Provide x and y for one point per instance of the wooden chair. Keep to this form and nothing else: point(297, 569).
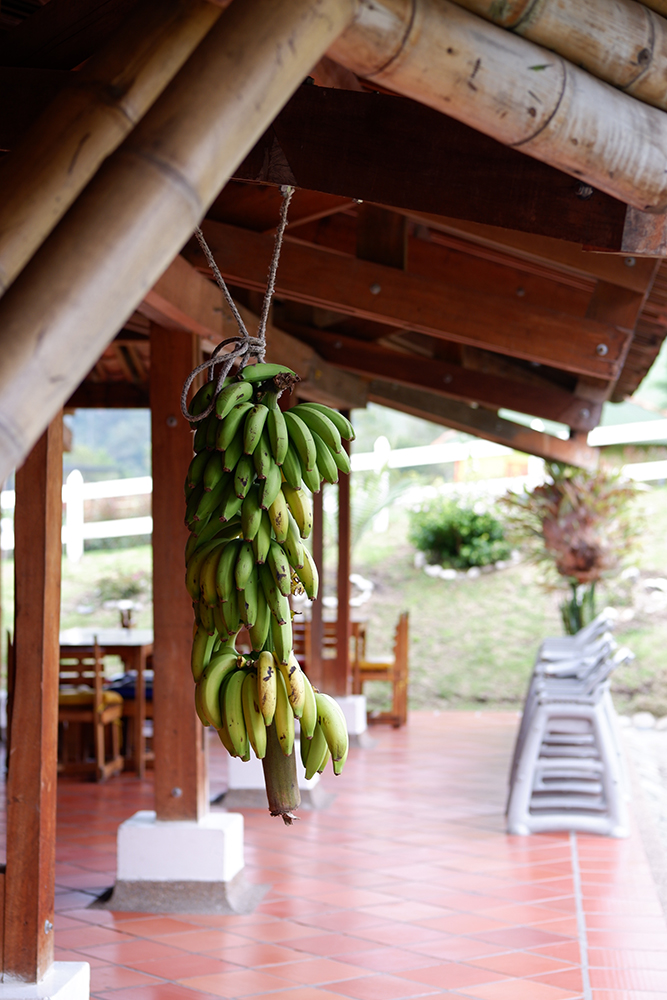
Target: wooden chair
point(138, 750)
point(84, 707)
point(394, 671)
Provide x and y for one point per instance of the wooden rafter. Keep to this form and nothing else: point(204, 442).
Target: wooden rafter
point(407, 301)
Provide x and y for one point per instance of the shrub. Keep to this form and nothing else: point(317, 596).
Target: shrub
point(453, 534)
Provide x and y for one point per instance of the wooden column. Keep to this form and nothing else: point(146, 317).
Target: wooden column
point(181, 786)
point(31, 783)
point(340, 682)
point(316, 630)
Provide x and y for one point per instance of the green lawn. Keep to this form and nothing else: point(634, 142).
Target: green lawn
point(473, 641)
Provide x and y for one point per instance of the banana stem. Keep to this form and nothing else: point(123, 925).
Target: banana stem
point(282, 785)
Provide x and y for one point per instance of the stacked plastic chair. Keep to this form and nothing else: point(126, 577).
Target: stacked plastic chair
point(567, 770)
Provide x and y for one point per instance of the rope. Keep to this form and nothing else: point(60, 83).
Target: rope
point(247, 346)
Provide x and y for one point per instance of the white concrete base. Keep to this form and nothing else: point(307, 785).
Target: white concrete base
point(208, 851)
point(63, 981)
point(354, 710)
point(242, 775)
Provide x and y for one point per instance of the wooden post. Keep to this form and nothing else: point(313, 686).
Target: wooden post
point(316, 629)
point(180, 760)
point(142, 205)
point(339, 683)
point(31, 782)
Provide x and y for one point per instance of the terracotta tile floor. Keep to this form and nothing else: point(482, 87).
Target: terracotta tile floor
point(406, 886)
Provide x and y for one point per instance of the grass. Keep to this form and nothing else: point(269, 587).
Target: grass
point(472, 641)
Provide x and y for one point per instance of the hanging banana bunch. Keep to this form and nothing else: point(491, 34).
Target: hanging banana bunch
point(249, 510)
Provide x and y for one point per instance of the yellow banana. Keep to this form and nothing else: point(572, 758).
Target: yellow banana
point(292, 544)
point(252, 716)
point(294, 682)
point(280, 568)
point(279, 517)
point(301, 508)
point(308, 575)
point(318, 752)
point(284, 717)
point(309, 713)
point(281, 635)
point(266, 686)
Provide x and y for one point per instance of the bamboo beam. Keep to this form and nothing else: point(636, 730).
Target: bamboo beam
point(483, 423)
point(129, 223)
point(407, 301)
point(374, 361)
point(31, 783)
point(513, 90)
point(89, 119)
point(623, 42)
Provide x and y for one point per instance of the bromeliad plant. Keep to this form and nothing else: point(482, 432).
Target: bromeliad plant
point(580, 526)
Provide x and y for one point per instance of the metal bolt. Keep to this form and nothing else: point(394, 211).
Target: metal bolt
point(48, 926)
point(629, 261)
point(474, 406)
point(338, 344)
point(375, 289)
point(602, 350)
point(172, 421)
point(584, 414)
point(358, 201)
point(521, 292)
point(583, 191)
point(447, 379)
point(176, 793)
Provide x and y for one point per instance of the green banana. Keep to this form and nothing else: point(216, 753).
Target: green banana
point(263, 371)
point(266, 686)
point(345, 428)
point(321, 424)
point(204, 615)
point(244, 476)
point(201, 433)
point(300, 434)
point(283, 717)
point(199, 709)
point(291, 468)
point(193, 502)
point(230, 614)
point(294, 682)
point(270, 486)
point(233, 451)
point(213, 472)
point(251, 513)
point(207, 574)
point(277, 428)
point(277, 602)
point(232, 713)
point(248, 599)
point(262, 457)
point(325, 461)
point(317, 753)
point(308, 575)
point(210, 500)
point(330, 717)
point(253, 427)
point(313, 479)
point(292, 544)
point(262, 539)
point(223, 732)
point(230, 504)
point(211, 530)
point(194, 565)
point(301, 507)
point(252, 716)
point(245, 564)
point(201, 399)
point(260, 630)
point(225, 583)
point(210, 683)
point(202, 645)
point(281, 636)
point(232, 395)
point(280, 568)
point(228, 428)
point(211, 432)
point(279, 517)
point(196, 470)
point(309, 713)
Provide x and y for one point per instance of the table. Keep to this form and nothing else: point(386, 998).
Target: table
point(133, 645)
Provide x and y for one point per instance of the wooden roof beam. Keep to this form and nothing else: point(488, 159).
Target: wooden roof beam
point(482, 423)
point(386, 295)
point(372, 361)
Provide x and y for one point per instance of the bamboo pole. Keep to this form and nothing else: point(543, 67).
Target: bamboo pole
point(513, 90)
point(89, 119)
point(621, 42)
point(142, 205)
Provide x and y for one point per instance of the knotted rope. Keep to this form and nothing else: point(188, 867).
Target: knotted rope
point(247, 347)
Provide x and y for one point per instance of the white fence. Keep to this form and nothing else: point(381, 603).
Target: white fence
point(76, 530)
